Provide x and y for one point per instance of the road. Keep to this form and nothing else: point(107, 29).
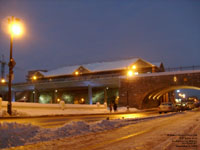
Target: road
point(57, 121)
point(175, 131)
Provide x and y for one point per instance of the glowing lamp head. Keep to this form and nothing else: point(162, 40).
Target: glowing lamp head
point(76, 73)
point(134, 67)
point(15, 28)
point(82, 99)
point(58, 100)
point(130, 73)
point(3, 80)
point(34, 77)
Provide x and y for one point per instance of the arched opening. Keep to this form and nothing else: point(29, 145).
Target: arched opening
point(157, 95)
point(154, 98)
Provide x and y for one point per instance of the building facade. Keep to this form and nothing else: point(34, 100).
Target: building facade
point(79, 84)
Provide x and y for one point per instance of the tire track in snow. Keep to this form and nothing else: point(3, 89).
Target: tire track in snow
point(108, 142)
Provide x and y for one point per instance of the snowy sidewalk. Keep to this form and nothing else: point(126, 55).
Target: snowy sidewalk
point(44, 113)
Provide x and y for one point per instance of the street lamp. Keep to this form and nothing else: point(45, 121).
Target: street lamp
point(14, 29)
point(76, 73)
point(130, 73)
point(34, 78)
point(3, 80)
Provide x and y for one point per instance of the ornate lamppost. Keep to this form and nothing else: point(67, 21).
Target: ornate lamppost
point(15, 29)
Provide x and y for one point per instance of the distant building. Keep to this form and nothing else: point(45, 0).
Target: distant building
point(102, 68)
point(85, 83)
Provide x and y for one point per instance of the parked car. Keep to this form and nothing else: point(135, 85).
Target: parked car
point(180, 107)
point(191, 105)
point(166, 107)
point(184, 106)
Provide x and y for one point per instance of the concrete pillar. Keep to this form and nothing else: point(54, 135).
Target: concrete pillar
point(35, 96)
point(55, 96)
point(164, 98)
point(32, 96)
point(173, 96)
point(167, 97)
point(0, 104)
point(90, 94)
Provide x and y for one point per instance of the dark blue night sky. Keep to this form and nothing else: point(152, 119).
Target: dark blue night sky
point(66, 32)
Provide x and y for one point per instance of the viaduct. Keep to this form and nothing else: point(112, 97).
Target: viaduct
point(139, 91)
point(148, 90)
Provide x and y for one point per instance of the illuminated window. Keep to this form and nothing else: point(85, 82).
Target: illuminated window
point(175, 79)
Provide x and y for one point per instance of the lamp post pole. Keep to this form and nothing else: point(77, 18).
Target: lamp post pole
point(9, 109)
point(15, 29)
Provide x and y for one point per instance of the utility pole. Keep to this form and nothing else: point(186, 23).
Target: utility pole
point(3, 63)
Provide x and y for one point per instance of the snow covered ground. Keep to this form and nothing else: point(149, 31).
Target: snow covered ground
point(170, 131)
point(37, 109)
point(44, 112)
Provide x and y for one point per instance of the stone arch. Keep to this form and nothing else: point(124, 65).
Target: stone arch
point(162, 92)
point(146, 87)
point(155, 96)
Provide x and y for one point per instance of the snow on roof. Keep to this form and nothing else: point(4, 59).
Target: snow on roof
point(112, 65)
point(61, 71)
point(94, 67)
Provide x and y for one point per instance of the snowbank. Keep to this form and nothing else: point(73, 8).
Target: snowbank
point(124, 109)
point(14, 134)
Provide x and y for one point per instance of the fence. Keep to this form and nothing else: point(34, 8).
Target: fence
point(182, 68)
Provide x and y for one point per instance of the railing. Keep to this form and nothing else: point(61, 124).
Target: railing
point(74, 78)
point(182, 68)
point(80, 78)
